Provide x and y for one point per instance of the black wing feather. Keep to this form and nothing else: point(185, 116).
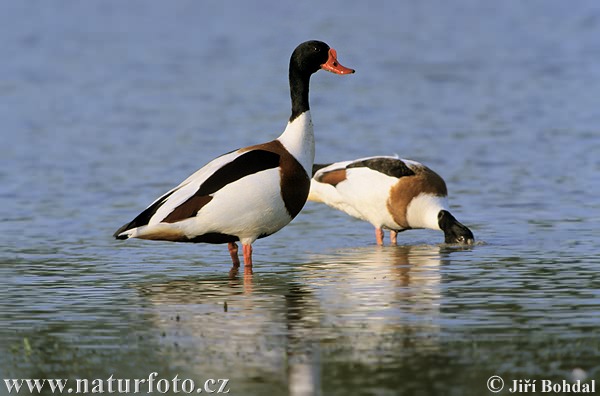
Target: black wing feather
point(389, 166)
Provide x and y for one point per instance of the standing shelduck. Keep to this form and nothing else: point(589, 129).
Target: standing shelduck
point(249, 193)
point(388, 192)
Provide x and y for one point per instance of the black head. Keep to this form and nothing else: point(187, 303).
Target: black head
point(313, 55)
point(454, 231)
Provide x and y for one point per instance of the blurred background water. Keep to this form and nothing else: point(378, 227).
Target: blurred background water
point(106, 105)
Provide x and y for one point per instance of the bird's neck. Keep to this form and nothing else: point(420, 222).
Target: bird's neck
point(299, 85)
point(299, 139)
point(422, 212)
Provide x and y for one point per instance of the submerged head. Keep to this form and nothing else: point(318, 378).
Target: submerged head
point(313, 55)
point(454, 231)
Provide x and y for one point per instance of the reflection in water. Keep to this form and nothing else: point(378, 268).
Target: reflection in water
point(362, 305)
point(382, 298)
point(245, 329)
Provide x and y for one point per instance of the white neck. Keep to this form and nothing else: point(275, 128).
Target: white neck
point(299, 139)
point(423, 210)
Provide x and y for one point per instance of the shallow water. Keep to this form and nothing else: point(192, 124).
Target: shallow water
point(109, 104)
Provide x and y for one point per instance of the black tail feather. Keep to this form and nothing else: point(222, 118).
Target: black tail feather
point(125, 227)
point(143, 218)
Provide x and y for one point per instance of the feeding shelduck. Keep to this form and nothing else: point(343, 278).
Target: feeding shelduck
point(388, 192)
point(248, 193)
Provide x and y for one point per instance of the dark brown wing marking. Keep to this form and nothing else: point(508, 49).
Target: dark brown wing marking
point(188, 209)
point(332, 177)
point(317, 167)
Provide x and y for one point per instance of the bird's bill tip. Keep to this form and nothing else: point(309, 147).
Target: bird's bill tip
point(332, 64)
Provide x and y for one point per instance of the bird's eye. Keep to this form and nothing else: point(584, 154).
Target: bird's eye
point(317, 49)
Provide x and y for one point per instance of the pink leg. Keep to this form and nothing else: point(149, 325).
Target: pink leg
point(393, 237)
point(247, 258)
point(379, 236)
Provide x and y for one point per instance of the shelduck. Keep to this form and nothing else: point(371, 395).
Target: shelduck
point(251, 192)
point(390, 193)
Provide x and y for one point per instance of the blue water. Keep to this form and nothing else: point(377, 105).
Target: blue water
point(106, 105)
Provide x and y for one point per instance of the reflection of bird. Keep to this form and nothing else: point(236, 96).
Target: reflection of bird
point(413, 269)
point(221, 326)
point(390, 193)
point(249, 193)
point(381, 298)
